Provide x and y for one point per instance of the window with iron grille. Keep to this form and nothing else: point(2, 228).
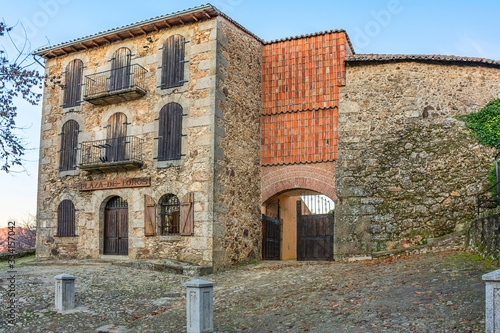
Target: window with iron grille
point(170, 132)
point(73, 81)
point(66, 219)
point(169, 215)
point(172, 65)
point(69, 146)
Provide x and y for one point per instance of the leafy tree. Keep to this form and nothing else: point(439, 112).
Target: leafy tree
point(16, 81)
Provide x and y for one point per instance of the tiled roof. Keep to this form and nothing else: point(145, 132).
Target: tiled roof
point(136, 29)
point(313, 35)
point(383, 58)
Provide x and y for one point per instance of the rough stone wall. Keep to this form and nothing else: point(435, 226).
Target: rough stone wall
point(484, 237)
point(402, 177)
point(192, 173)
point(237, 222)
point(318, 177)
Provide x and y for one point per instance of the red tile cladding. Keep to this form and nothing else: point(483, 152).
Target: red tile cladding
point(300, 81)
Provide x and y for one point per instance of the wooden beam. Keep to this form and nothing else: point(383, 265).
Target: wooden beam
point(143, 30)
point(208, 15)
point(182, 22)
point(63, 51)
point(73, 49)
point(195, 18)
point(107, 40)
point(84, 46)
point(118, 36)
point(155, 27)
point(130, 33)
point(93, 42)
point(168, 25)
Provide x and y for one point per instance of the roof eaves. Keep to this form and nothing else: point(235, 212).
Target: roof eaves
point(48, 49)
point(435, 58)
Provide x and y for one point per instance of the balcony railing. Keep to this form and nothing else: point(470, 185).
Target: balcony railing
point(111, 154)
point(116, 85)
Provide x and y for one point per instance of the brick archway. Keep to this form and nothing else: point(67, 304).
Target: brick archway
point(319, 177)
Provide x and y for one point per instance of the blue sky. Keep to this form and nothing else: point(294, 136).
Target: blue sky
point(450, 27)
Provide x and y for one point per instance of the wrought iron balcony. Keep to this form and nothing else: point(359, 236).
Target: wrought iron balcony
point(111, 154)
point(116, 85)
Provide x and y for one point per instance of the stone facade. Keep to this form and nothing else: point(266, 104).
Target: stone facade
point(407, 171)
point(216, 114)
point(483, 236)
point(375, 133)
point(237, 225)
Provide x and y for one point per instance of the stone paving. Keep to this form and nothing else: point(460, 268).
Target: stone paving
point(427, 293)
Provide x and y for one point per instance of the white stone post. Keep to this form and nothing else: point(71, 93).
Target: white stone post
point(199, 306)
point(65, 292)
point(492, 280)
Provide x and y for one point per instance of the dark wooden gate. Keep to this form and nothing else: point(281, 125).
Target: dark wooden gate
point(271, 242)
point(116, 227)
point(314, 236)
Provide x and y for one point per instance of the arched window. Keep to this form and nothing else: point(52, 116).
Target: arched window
point(116, 141)
point(169, 214)
point(66, 219)
point(120, 69)
point(170, 132)
point(172, 64)
point(69, 145)
point(73, 81)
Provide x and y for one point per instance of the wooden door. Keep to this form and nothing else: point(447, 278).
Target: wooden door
point(271, 240)
point(120, 69)
point(116, 138)
point(115, 229)
point(314, 236)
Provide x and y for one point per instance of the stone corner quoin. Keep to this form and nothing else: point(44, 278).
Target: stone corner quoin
point(170, 139)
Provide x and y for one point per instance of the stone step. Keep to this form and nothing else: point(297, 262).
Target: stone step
point(167, 266)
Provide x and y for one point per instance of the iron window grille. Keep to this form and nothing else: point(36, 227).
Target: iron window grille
point(169, 215)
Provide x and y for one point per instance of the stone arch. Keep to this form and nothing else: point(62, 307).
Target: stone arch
point(104, 198)
point(319, 177)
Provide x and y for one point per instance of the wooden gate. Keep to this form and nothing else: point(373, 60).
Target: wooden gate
point(271, 239)
point(116, 227)
point(314, 236)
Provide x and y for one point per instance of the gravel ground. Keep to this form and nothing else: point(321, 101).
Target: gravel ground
point(428, 293)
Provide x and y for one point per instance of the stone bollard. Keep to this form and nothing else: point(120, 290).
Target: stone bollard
point(65, 292)
point(492, 280)
point(199, 306)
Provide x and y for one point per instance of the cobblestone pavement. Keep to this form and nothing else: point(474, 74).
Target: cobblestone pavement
point(428, 293)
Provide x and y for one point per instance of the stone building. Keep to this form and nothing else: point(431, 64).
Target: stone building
point(171, 136)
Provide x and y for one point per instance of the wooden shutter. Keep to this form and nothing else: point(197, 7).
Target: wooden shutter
point(69, 145)
point(172, 65)
point(73, 80)
point(120, 69)
point(116, 133)
point(170, 131)
point(187, 214)
point(149, 216)
point(66, 219)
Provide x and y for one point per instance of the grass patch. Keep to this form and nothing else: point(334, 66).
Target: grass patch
point(18, 261)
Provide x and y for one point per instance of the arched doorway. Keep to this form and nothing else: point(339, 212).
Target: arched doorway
point(297, 224)
point(116, 227)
